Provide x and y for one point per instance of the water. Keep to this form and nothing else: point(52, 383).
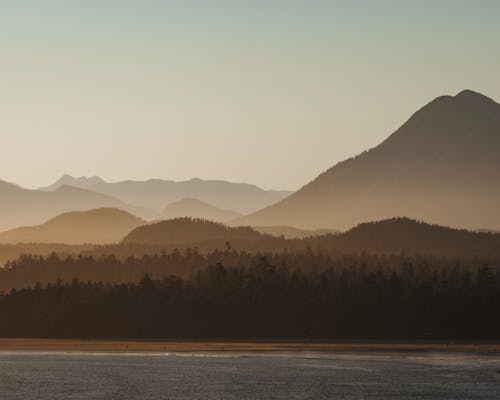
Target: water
point(319, 375)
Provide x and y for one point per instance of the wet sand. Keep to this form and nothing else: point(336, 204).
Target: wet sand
point(238, 346)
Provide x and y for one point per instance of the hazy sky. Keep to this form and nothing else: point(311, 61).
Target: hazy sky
point(269, 92)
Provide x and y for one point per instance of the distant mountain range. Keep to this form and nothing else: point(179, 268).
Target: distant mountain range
point(197, 209)
point(155, 194)
point(98, 226)
point(147, 200)
point(442, 166)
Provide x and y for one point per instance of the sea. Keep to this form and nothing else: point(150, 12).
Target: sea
point(282, 375)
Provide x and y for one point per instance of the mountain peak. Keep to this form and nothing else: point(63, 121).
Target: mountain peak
point(450, 116)
point(471, 96)
point(81, 182)
point(66, 178)
point(469, 93)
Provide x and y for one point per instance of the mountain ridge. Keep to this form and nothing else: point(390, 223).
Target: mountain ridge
point(154, 193)
point(82, 182)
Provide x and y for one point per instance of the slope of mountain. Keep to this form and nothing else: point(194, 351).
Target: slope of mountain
point(195, 208)
point(441, 166)
point(23, 207)
point(67, 180)
point(181, 231)
point(97, 226)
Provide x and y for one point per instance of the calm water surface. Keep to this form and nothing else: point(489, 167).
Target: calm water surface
point(55, 375)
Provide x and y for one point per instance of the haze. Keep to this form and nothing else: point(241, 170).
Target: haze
point(267, 92)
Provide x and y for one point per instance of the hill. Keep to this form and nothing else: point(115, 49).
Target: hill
point(403, 235)
point(188, 231)
point(195, 208)
point(392, 236)
point(441, 166)
point(24, 207)
point(98, 226)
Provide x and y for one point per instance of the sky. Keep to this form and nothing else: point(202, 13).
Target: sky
point(269, 92)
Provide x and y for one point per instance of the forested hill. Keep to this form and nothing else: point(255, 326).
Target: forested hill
point(390, 236)
point(404, 235)
point(189, 231)
point(394, 236)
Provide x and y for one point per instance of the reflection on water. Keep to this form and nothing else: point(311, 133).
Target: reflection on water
point(310, 375)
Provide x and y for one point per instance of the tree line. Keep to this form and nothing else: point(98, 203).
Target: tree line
point(29, 269)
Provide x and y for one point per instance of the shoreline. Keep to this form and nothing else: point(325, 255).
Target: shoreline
point(194, 346)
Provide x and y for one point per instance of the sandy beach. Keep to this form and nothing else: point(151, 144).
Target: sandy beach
point(233, 346)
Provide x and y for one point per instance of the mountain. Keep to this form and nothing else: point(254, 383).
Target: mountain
point(182, 231)
point(67, 180)
point(197, 209)
point(441, 166)
point(98, 226)
point(155, 193)
point(24, 207)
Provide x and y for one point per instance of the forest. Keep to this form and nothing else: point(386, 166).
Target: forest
point(229, 294)
point(188, 278)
